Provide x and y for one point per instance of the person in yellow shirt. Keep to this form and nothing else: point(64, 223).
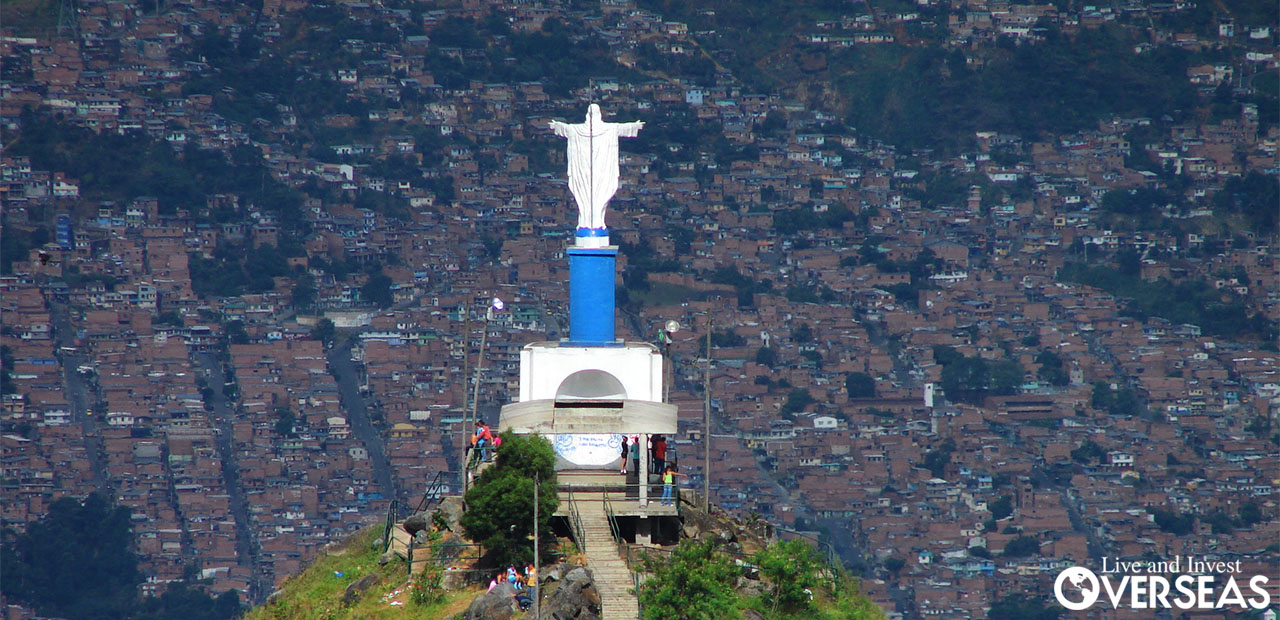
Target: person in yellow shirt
point(668, 482)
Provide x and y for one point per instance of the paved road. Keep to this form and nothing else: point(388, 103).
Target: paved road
point(78, 392)
point(223, 418)
point(344, 372)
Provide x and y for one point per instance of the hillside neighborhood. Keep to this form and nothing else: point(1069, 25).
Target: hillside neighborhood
point(920, 353)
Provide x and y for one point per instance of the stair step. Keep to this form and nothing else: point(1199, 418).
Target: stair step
point(612, 577)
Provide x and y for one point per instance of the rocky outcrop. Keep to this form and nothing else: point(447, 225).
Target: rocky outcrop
point(730, 534)
point(357, 588)
point(448, 514)
point(496, 604)
point(574, 597)
point(567, 594)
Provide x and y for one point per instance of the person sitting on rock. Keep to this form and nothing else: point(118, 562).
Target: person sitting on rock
point(523, 600)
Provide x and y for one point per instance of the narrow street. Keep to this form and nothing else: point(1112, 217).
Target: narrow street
point(345, 373)
point(79, 392)
point(223, 418)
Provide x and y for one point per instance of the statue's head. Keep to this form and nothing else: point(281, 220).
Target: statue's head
point(593, 113)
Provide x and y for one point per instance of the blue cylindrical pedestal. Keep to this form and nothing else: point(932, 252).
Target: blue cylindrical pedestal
point(591, 277)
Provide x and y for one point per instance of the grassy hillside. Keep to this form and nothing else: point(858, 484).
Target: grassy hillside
point(317, 593)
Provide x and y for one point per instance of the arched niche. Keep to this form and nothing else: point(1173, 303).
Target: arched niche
point(591, 385)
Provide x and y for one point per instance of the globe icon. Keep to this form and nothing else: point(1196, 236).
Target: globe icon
point(1082, 592)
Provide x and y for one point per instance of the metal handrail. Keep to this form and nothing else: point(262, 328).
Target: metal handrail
point(622, 491)
point(439, 555)
point(575, 523)
point(392, 517)
point(434, 492)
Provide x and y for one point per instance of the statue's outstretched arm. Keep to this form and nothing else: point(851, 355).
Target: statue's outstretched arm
point(559, 128)
point(630, 130)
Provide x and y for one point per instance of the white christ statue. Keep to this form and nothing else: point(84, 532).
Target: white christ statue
point(593, 169)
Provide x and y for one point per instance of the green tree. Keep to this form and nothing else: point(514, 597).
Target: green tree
point(285, 421)
point(860, 385)
point(1250, 514)
point(791, 566)
point(169, 318)
point(1002, 507)
point(304, 291)
point(1020, 547)
point(1020, 607)
point(1177, 523)
point(324, 331)
point(797, 400)
point(727, 339)
point(235, 332)
point(936, 460)
point(378, 291)
point(500, 505)
point(1255, 196)
point(945, 355)
point(766, 357)
point(894, 565)
point(182, 602)
point(966, 379)
point(1006, 377)
point(1051, 369)
point(7, 385)
point(96, 578)
point(692, 583)
point(1088, 451)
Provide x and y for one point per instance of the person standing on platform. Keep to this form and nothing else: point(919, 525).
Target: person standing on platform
point(625, 454)
point(659, 454)
point(668, 485)
point(635, 453)
point(484, 439)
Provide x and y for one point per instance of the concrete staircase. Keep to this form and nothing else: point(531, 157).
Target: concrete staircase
point(611, 576)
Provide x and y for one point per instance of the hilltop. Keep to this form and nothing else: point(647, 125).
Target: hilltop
point(350, 580)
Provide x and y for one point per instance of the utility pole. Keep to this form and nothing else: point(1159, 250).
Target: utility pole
point(475, 393)
point(496, 304)
point(466, 370)
point(466, 353)
point(706, 422)
point(537, 591)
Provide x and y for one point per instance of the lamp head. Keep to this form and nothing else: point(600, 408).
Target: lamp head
point(672, 326)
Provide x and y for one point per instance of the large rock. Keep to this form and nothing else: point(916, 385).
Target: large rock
point(699, 525)
point(454, 579)
point(417, 522)
point(556, 573)
point(450, 510)
point(749, 587)
point(357, 588)
point(496, 604)
point(575, 597)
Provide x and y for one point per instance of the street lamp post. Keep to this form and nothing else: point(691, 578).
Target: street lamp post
point(706, 423)
point(537, 589)
point(495, 305)
point(667, 334)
